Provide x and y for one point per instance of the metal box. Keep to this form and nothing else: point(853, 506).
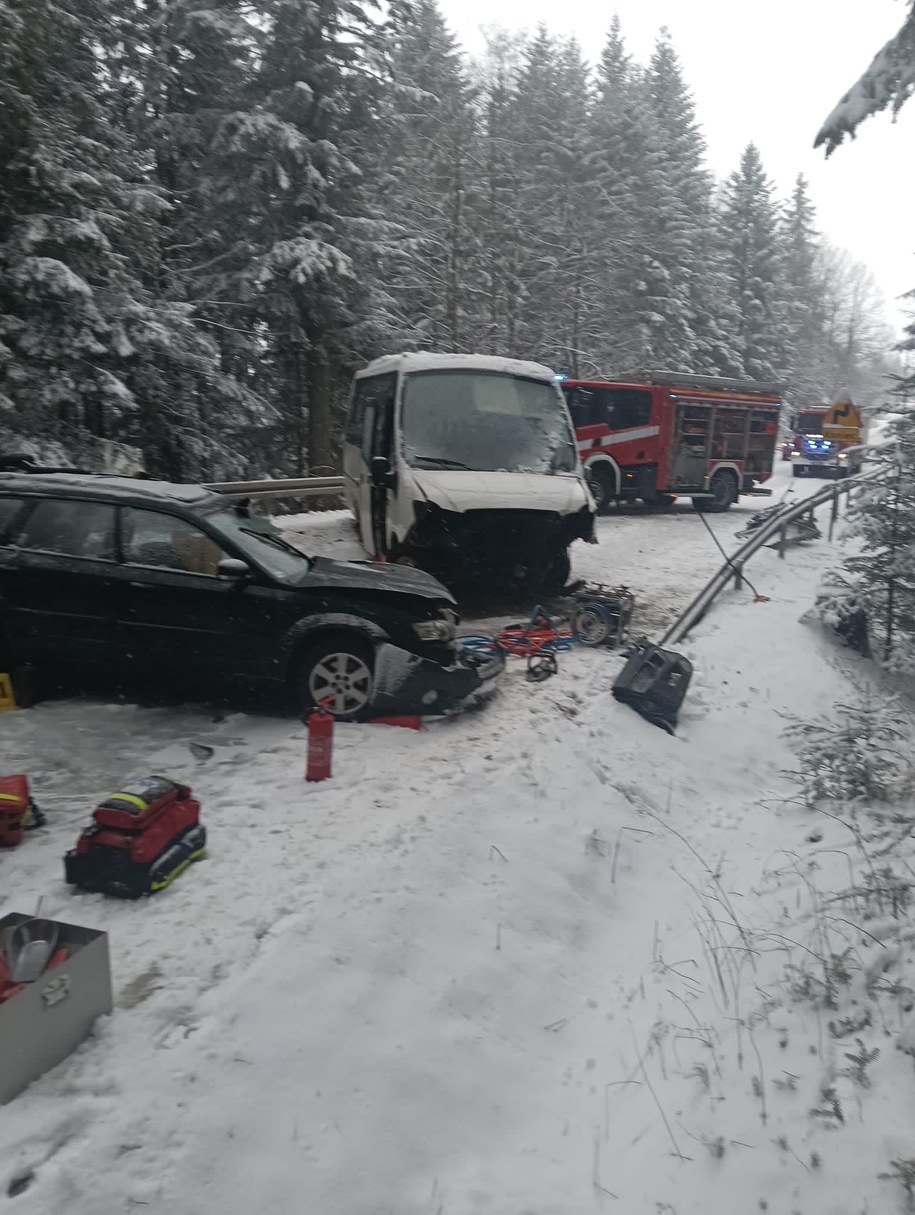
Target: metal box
point(41, 1025)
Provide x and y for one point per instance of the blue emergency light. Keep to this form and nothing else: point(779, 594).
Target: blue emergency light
point(817, 444)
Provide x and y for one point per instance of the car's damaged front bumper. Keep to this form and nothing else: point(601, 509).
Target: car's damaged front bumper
point(405, 683)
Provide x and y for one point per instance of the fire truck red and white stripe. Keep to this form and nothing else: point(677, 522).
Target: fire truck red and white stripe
point(621, 436)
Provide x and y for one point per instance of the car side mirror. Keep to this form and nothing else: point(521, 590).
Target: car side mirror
point(233, 570)
point(382, 473)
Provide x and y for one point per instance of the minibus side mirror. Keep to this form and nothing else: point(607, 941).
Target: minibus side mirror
point(382, 473)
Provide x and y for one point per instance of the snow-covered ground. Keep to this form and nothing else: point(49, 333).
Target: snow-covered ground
point(526, 962)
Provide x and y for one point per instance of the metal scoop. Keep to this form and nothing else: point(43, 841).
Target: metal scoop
point(30, 946)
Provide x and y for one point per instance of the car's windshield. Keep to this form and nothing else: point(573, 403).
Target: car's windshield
point(485, 421)
point(262, 541)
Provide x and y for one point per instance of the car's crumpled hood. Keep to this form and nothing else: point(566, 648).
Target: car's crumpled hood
point(373, 576)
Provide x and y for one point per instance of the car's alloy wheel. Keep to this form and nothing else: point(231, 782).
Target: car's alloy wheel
point(338, 675)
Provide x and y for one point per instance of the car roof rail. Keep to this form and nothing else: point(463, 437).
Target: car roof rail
point(28, 464)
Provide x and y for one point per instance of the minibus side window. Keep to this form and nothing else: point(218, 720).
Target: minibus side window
point(372, 395)
point(372, 407)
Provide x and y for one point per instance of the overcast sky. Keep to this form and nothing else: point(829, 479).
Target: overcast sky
point(770, 73)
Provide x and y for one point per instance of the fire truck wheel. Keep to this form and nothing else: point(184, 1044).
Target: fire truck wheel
point(337, 669)
point(723, 487)
point(602, 485)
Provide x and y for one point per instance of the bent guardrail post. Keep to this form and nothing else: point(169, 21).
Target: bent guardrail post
point(834, 510)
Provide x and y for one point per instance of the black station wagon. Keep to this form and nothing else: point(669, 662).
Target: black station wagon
point(137, 579)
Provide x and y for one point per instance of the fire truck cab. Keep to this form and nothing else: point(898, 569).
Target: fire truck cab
point(657, 435)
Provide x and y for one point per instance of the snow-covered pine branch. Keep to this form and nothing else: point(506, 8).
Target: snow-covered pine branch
point(889, 81)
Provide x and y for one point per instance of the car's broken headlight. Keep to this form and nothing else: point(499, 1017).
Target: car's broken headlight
point(434, 630)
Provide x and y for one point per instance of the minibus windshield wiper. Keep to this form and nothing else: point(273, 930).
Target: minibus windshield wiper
point(440, 462)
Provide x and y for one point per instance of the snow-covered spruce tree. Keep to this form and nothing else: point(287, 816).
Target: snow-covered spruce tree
point(715, 319)
point(699, 283)
point(618, 123)
point(905, 386)
point(422, 175)
point(809, 371)
point(856, 756)
point(666, 295)
point(748, 222)
point(89, 347)
point(658, 274)
point(295, 200)
point(560, 238)
point(590, 253)
point(882, 517)
point(182, 68)
point(66, 294)
point(493, 270)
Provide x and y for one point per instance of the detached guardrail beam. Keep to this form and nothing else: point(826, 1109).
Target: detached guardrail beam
point(733, 566)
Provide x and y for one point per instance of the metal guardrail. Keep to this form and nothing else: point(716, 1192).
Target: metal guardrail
point(294, 487)
point(732, 570)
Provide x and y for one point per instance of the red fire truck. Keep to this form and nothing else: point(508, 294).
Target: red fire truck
point(658, 434)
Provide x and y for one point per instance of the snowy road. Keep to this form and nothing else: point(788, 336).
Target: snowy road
point(464, 975)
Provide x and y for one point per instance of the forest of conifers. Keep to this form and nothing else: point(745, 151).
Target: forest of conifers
point(213, 211)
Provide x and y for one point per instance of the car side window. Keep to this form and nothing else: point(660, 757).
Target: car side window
point(9, 509)
point(71, 528)
point(161, 541)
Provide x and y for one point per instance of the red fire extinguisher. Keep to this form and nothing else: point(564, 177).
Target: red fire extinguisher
point(320, 743)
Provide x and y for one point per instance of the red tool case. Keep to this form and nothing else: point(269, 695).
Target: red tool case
point(15, 803)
